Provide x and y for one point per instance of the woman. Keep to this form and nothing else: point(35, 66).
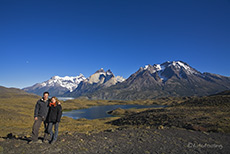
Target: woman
point(53, 118)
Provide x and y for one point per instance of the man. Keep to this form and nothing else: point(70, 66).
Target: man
point(40, 113)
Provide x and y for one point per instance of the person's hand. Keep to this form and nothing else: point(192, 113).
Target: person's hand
point(36, 118)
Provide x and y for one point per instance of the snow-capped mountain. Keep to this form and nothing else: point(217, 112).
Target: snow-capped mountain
point(178, 65)
point(175, 78)
point(166, 70)
point(68, 82)
point(56, 85)
point(100, 79)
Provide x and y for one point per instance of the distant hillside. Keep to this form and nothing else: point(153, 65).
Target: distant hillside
point(13, 92)
point(226, 92)
point(213, 100)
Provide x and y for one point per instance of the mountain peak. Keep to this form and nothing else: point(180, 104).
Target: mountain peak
point(177, 65)
point(180, 64)
point(100, 71)
point(100, 76)
point(168, 69)
point(55, 77)
point(109, 72)
point(81, 75)
point(147, 66)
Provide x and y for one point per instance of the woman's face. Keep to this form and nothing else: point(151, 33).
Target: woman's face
point(53, 100)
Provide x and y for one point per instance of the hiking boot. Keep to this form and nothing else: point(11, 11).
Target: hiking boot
point(38, 141)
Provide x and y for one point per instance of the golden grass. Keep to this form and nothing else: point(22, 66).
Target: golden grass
point(16, 113)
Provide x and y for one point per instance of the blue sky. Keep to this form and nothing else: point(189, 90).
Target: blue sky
point(40, 39)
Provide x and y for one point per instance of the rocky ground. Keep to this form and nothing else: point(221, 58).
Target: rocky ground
point(125, 140)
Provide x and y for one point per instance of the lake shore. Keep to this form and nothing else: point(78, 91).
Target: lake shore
point(76, 104)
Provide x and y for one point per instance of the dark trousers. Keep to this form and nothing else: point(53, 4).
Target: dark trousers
point(55, 134)
point(36, 127)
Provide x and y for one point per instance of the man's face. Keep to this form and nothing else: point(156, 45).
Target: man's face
point(45, 96)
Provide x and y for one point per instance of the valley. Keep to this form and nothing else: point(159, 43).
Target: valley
point(184, 124)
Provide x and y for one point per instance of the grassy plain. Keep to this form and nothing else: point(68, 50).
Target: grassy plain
point(206, 113)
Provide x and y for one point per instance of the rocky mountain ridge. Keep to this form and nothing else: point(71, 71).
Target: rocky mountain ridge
point(175, 78)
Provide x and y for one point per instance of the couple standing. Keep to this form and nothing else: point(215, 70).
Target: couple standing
point(48, 111)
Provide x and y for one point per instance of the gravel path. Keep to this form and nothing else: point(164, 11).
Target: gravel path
point(127, 141)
